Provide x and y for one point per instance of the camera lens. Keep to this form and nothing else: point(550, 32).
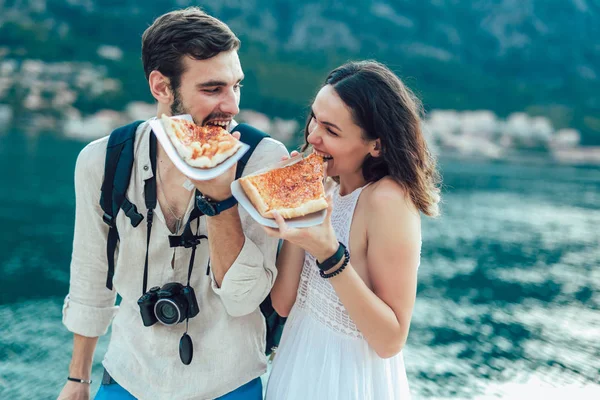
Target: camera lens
point(167, 312)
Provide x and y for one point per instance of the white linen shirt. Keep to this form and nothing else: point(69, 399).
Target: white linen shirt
point(228, 334)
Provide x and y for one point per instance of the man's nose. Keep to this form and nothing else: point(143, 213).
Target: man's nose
point(230, 103)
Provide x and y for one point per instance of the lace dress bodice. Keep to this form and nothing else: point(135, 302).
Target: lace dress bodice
point(315, 294)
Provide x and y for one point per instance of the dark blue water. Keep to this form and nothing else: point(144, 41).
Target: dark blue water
point(508, 301)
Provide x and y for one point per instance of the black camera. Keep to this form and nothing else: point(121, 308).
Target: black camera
point(169, 305)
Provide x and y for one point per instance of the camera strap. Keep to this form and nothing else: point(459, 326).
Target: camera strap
point(150, 199)
point(186, 239)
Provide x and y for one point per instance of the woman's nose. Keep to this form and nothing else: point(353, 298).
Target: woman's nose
point(313, 135)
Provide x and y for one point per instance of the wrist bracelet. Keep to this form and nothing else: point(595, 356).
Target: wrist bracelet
point(332, 261)
point(340, 269)
point(88, 381)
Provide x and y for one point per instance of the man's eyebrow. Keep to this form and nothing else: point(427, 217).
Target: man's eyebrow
point(214, 83)
point(325, 122)
point(211, 84)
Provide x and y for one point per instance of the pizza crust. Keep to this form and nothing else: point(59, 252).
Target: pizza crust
point(252, 192)
point(309, 207)
point(186, 152)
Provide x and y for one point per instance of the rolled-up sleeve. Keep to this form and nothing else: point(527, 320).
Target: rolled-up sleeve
point(251, 276)
point(89, 307)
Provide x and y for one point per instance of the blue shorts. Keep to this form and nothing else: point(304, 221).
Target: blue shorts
point(250, 391)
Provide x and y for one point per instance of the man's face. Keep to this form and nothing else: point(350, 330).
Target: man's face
point(210, 89)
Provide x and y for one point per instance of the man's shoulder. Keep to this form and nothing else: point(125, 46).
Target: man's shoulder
point(92, 157)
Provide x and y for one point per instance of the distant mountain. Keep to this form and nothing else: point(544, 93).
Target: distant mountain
point(541, 56)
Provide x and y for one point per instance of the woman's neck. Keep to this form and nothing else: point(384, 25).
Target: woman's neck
point(349, 183)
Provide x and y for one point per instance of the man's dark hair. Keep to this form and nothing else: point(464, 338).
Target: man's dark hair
point(188, 32)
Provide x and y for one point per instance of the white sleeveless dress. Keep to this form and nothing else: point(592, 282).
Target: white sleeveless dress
point(322, 354)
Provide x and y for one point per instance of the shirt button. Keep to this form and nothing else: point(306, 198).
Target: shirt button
point(145, 168)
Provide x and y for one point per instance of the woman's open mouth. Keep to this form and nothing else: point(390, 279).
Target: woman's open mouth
point(326, 157)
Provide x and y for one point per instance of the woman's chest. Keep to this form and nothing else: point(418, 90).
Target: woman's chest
point(351, 229)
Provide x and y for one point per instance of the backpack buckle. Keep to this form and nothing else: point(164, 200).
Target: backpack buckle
point(108, 220)
point(185, 240)
point(132, 213)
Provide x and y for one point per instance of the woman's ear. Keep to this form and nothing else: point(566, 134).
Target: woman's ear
point(376, 148)
point(160, 87)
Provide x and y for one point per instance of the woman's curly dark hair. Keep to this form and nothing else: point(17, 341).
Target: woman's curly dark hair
point(385, 109)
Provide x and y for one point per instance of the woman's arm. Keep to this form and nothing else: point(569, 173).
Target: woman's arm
point(393, 250)
point(289, 267)
point(394, 241)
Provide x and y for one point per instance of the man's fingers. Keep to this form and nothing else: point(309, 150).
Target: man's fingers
point(236, 135)
point(294, 153)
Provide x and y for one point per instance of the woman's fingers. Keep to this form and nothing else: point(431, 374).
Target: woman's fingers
point(272, 232)
point(329, 208)
point(292, 155)
point(283, 228)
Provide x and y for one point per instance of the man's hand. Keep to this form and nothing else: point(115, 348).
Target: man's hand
point(219, 188)
point(75, 391)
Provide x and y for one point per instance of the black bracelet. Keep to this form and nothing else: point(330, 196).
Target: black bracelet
point(332, 261)
point(340, 269)
point(88, 381)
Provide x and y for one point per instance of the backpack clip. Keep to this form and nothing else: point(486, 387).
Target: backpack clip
point(108, 220)
point(132, 213)
point(184, 240)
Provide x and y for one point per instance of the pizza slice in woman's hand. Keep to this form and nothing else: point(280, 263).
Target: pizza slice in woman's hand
point(292, 191)
point(200, 146)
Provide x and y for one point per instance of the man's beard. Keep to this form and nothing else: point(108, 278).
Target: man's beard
point(177, 108)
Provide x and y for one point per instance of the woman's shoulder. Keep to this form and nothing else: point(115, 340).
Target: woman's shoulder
point(391, 212)
point(386, 193)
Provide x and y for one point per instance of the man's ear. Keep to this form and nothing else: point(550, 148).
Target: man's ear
point(160, 87)
point(376, 149)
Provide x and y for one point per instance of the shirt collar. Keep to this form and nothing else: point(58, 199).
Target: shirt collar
point(144, 166)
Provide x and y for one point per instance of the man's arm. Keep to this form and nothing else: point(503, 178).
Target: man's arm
point(90, 306)
point(242, 255)
point(226, 240)
point(83, 355)
point(81, 368)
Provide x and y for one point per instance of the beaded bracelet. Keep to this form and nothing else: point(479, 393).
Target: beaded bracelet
point(340, 269)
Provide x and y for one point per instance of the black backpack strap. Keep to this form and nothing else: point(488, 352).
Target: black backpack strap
point(117, 172)
point(252, 137)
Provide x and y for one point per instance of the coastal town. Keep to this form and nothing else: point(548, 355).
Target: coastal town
point(38, 98)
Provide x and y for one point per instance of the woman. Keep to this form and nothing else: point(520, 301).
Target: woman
point(349, 284)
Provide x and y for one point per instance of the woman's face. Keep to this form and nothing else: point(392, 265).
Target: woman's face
point(333, 134)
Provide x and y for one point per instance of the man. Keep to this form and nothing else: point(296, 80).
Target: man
point(192, 66)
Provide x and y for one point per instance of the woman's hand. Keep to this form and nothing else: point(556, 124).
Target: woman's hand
point(320, 240)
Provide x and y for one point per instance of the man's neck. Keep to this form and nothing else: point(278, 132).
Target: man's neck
point(169, 173)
